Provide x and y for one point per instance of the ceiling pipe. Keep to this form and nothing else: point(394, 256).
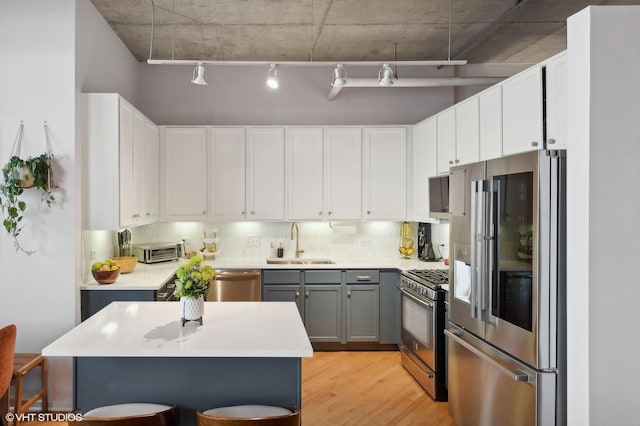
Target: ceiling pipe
point(417, 82)
point(306, 63)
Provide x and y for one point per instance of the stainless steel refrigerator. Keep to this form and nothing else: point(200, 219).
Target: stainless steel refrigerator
point(506, 331)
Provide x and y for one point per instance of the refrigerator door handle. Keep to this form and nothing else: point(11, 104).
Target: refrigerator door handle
point(492, 243)
point(517, 375)
point(476, 240)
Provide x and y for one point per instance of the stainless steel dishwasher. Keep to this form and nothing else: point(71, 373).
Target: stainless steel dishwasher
point(235, 285)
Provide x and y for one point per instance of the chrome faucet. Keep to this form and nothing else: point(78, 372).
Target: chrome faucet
point(299, 251)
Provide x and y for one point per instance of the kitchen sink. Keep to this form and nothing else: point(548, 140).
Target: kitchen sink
point(280, 261)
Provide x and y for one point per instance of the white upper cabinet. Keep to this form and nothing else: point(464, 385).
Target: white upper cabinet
point(467, 131)
point(227, 173)
point(384, 166)
point(151, 172)
point(556, 101)
point(424, 166)
point(491, 123)
point(343, 173)
point(116, 163)
point(185, 173)
point(522, 112)
point(305, 174)
point(446, 140)
point(265, 187)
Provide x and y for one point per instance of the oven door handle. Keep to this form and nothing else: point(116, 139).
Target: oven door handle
point(420, 301)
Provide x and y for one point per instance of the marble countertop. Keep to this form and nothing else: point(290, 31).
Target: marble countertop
point(154, 276)
point(153, 329)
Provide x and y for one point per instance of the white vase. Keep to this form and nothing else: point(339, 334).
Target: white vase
point(191, 309)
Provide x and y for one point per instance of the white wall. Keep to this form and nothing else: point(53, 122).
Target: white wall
point(37, 84)
point(239, 96)
point(603, 203)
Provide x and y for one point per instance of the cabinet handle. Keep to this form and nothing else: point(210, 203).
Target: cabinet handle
point(368, 211)
point(363, 278)
point(457, 161)
point(297, 294)
point(534, 143)
point(243, 212)
point(450, 162)
point(204, 212)
point(551, 141)
point(306, 293)
point(349, 293)
point(320, 213)
point(253, 212)
point(329, 213)
point(148, 214)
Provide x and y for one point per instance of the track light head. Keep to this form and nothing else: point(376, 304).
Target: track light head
point(339, 76)
point(199, 74)
point(385, 75)
point(272, 77)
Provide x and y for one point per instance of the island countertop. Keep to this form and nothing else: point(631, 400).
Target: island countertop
point(153, 329)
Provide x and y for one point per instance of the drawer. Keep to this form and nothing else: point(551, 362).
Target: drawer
point(322, 277)
point(363, 276)
point(280, 277)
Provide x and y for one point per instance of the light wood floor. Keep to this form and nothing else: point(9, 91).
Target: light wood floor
point(360, 388)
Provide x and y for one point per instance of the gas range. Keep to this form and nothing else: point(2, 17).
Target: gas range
point(432, 278)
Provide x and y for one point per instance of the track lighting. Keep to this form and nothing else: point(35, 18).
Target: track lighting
point(199, 74)
point(385, 76)
point(339, 76)
point(272, 77)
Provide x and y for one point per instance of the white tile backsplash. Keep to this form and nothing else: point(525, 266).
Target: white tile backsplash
point(379, 239)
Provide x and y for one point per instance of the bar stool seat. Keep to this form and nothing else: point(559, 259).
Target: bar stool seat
point(23, 363)
point(239, 415)
point(131, 414)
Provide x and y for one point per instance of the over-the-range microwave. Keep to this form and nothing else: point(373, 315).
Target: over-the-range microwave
point(439, 197)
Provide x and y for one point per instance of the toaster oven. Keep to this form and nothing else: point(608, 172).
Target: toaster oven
point(157, 252)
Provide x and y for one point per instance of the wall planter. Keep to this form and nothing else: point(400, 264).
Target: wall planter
point(17, 175)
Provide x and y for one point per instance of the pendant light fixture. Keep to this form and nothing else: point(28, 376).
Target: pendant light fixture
point(199, 74)
point(385, 75)
point(339, 76)
point(272, 77)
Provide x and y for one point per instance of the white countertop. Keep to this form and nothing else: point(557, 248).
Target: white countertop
point(153, 276)
point(153, 329)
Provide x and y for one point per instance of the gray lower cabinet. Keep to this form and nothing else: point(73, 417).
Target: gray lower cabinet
point(363, 313)
point(91, 301)
point(341, 306)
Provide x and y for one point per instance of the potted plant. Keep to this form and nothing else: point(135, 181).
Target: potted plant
point(17, 175)
point(192, 285)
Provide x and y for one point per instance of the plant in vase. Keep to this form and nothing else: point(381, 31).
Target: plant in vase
point(192, 285)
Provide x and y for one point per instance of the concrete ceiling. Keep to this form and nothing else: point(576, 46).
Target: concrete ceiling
point(482, 31)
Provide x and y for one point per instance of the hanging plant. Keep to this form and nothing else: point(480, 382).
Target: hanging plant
point(17, 175)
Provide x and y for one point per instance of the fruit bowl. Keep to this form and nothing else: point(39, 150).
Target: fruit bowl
point(106, 277)
point(126, 263)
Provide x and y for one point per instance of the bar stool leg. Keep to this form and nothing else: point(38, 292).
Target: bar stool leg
point(45, 386)
point(17, 401)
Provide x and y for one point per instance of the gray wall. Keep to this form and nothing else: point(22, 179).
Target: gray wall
point(239, 96)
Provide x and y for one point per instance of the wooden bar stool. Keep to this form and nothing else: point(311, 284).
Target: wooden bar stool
point(249, 415)
point(22, 365)
point(133, 414)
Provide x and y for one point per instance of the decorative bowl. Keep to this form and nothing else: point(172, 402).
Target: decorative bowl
point(106, 277)
point(126, 263)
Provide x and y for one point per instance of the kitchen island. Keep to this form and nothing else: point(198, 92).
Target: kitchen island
point(244, 353)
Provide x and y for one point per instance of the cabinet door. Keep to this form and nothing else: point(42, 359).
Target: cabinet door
point(139, 196)
point(363, 313)
point(390, 320)
point(467, 132)
point(424, 165)
point(522, 112)
point(151, 171)
point(556, 102)
point(265, 174)
point(491, 123)
point(385, 174)
point(126, 164)
point(185, 173)
point(323, 312)
point(305, 174)
point(283, 293)
point(343, 173)
point(227, 173)
point(446, 140)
